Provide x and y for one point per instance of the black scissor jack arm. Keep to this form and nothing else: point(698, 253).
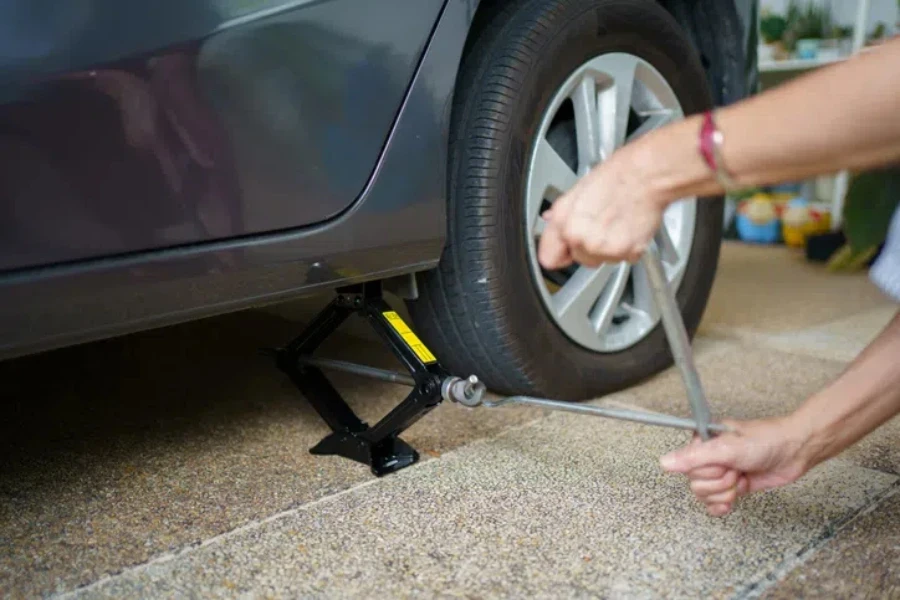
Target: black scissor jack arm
point(378, 445)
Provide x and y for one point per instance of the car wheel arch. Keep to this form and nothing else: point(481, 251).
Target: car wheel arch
point(723, 56)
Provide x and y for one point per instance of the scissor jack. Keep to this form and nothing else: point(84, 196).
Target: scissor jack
point(380, 446)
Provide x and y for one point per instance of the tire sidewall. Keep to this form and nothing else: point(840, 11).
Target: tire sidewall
point(574, 38)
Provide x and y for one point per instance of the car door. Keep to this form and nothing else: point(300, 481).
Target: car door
point(132, 126)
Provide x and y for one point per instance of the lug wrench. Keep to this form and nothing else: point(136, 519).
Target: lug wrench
point(470, 392)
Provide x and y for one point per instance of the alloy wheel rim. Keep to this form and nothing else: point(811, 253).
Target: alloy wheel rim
point(608, 101)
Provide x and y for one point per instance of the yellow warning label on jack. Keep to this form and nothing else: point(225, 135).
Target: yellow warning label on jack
point(412, 340)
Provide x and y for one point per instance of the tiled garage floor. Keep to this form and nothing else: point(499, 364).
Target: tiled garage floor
point(174, 463)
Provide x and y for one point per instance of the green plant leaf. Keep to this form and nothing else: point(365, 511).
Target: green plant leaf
point(772, 28)
point(871, 200)
point(807, 20)
point(846, 259)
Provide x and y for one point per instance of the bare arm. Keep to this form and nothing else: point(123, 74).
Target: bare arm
point(863, 398)
point(841, 117)
point(844, 116)
point(774, 452)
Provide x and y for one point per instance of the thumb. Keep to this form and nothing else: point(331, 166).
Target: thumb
point(553, 252)
point(718, 451)
point(560, 209)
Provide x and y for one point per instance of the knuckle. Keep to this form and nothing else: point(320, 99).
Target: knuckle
point(571, 233)
point(595, 244)
point(730, 478)
point(725, 497)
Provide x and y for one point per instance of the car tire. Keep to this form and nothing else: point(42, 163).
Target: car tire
point(480, 310)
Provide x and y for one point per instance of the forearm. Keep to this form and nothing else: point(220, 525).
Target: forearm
point(840, 117)
point(864, 397)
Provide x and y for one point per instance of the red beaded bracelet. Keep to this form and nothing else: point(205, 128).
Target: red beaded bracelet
point(711, 140)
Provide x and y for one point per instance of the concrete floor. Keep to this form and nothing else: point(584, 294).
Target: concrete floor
point(174, 463)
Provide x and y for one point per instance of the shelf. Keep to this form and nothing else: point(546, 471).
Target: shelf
point(796, 64)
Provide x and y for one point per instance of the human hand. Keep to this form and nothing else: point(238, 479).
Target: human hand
point(757, 455)
point(610, 215)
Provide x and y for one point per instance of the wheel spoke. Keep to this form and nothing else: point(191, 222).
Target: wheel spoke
point(587, 123)
point(615, 103)
point(667, 251)
point(643, 319)
point(538, 227)
point(551, 176)
point(643, 305)
point(574, 300)
point(653, 121)
point(605, 308)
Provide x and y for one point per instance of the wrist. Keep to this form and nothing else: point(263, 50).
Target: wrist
point(814, 441)
point(670, 164)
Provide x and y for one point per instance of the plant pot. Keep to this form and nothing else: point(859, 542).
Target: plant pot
point(755, 233)
point(808, 48)
point(780, 51)
point(765, 53)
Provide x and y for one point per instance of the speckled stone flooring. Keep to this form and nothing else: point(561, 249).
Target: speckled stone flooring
point(174, 463)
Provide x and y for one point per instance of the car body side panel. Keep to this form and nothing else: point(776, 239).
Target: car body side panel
point(266, 123)
point(397, 226)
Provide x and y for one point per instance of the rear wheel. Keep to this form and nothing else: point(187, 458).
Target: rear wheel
point(547, 90)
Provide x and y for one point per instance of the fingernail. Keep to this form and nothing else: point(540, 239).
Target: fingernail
point(668, 462)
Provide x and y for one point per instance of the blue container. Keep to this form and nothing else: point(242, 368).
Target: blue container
point(808, 49)
point(748, 231)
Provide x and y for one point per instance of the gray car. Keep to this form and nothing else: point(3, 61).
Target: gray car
point(165, 161)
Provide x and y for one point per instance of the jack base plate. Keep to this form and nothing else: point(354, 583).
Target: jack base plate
point(385, 457)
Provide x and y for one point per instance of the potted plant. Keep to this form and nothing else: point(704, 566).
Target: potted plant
point(844, 36)
point(872, 197)
point(771, 31)
point(830, 48)
point(879, 33)
point(808, 24)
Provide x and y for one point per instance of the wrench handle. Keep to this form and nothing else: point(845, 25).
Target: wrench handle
point(680, 344)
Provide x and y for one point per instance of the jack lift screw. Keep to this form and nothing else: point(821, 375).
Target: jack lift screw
point(468, 392)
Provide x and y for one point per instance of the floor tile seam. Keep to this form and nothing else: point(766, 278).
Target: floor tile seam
point(254, 524)
point(771, 578)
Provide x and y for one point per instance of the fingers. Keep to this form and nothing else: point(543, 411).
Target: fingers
point(553, 252)
point(578, 230)
point(713, 472)
point(592, 241)
point(709, 467)
point(724, 490)
point(719, 510)
point(728, 496)
point(708, 472)
point(553, 249)
point(705, 488)
point(719, 451)
point(741, 462)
